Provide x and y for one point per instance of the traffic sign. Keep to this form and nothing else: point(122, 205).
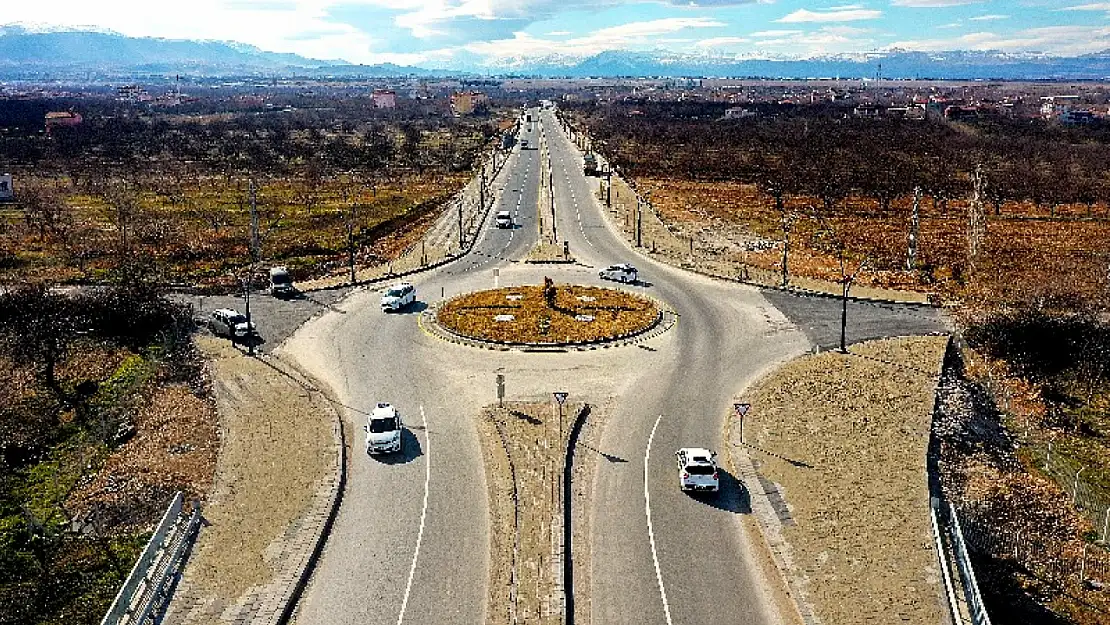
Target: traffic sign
point(561, 397)
point(742, 409)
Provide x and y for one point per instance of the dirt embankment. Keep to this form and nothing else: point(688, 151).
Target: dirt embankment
point(844, 437)
point(276, 450)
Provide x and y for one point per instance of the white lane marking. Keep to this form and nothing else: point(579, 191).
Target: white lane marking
point(651, 532)
point(423, 513)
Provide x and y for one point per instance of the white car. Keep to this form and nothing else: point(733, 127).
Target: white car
point(383, 430)
point(230, 323)
point(620, 273)
point(503, 219)
point(398, 296)
point(697, 469)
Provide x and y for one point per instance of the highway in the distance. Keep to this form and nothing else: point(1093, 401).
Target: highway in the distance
point(411, 542)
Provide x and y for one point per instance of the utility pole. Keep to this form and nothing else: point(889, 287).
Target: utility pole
point(255, 245)
point(608, 186)
point(482, 191)
point(639, 223)
point(459, 204)
point(351, 241)
point(915, 225)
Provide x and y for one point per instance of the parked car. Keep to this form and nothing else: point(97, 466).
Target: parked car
point(230, 323)
point(281, 284)
point(697, 469)
point(621, 273)
point(503, 219)
point(398, 296)
point(383, 429)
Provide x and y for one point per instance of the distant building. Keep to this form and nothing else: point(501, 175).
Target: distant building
point(132, 93)
point(62, 118)
point(1071, 117)
point(739, 113)
point(465, 102)
point(955, 112)
point(385, 99)
point(916, 113)
point(867, 111)
point(1055, 105)
point(7, 193)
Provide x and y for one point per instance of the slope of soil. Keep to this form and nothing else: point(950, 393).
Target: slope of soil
point(844, 436)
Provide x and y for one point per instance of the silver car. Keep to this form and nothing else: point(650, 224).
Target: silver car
point(230, 323)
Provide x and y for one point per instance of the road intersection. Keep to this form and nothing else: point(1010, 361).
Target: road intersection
point(410, 543)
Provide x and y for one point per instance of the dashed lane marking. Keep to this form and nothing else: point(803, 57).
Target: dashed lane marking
point(423, 514)
point(651, 531)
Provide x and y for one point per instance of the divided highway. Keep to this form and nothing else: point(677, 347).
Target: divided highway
point(410, 543)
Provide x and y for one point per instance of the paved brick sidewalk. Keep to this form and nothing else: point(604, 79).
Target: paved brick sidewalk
point(264, 519)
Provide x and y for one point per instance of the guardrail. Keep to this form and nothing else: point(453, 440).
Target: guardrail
point(975, 603)
point(143, 593)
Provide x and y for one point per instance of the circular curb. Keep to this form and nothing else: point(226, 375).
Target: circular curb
point(665, 319)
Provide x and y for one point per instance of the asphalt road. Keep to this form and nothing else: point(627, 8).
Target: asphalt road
point(410, 543)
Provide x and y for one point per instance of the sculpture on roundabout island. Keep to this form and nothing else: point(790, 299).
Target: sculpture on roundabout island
point(549, 292)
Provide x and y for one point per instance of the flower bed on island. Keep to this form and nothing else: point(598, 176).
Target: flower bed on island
point(555, 314)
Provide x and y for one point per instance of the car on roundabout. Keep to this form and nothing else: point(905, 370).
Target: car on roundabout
point(619, 273)
point(697, 470)
point(383, 429)
point(398, 296)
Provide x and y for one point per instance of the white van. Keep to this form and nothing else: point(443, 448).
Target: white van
point(503, 219)
point(281, 284)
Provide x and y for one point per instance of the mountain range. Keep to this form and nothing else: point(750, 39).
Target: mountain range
point(60, 54)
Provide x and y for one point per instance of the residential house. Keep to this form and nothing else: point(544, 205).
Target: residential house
point(385, 99)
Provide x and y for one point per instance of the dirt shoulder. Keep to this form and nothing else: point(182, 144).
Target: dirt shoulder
point(276, 462)
point(839, 442)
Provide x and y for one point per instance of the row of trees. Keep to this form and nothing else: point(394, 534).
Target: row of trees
point(266, 141)
point(832, 157)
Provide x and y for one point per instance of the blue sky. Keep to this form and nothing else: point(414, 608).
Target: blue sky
point(440, 32)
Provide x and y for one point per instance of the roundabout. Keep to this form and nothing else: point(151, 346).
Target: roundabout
point(548, 315)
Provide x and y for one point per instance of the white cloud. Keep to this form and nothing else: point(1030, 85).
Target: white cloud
point(721, 42)
point(988, 18)
point(827, 40)
point(840, 14)
point(1098, 6)
point(775, 33)
point(1058, 40)
point(558, 33)
point(630, 35)
point(300, 26)
point(932, 3)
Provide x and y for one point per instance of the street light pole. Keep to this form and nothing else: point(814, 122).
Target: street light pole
point(255, 245)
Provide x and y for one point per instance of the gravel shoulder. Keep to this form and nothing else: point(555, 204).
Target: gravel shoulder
point(839, 442)
point(277, 455)
point(524, 444)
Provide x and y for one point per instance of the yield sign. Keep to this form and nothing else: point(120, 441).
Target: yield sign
point(561, 397)
point(742, 409)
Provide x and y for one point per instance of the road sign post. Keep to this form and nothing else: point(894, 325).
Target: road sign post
point(561, 398)
point(741, 411)
point(500, 390)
